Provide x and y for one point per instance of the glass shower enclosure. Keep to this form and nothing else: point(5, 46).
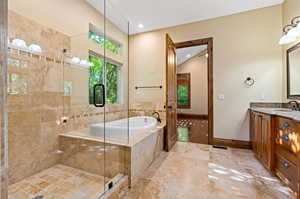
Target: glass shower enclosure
point(64, 84)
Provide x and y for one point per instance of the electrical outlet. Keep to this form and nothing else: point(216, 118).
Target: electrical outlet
point(221, 97)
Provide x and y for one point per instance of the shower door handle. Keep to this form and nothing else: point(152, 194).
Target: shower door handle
point(168, 107)
point(103, 95)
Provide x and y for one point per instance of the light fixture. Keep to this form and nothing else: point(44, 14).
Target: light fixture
point(291, 31)
point(141, 25)
point(19, 43)
point(285, 39)
point(294, 32)
point(206, 55)
point(188, 55)
point(75, 60)
point(35, 48)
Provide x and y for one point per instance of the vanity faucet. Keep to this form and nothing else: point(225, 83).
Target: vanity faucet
point(158, 116)
point(294, 105)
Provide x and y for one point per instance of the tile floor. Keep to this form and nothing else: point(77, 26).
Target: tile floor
point(59, 182)
point(195, 171)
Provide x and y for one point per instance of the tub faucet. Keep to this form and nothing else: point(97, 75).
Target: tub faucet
point(158, 116)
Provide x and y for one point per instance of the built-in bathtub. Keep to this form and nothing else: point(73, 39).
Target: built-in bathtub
point(137, 139)
point(124, 127)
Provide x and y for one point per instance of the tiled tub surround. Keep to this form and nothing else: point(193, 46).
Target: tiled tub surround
point(84, 151)
point(147, 112)
point(147, 109)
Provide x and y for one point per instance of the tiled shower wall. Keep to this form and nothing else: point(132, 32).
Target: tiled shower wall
point(36, 101)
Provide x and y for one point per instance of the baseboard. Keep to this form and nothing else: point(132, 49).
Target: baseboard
point(233, 143)
point(192, 116)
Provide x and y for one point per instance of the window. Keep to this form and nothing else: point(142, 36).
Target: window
point(109, 44)
point(112, 79)
point(184, 90)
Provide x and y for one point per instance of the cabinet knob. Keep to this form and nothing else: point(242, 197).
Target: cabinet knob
point(285, 164)
point(286, 137)
point(286, 124)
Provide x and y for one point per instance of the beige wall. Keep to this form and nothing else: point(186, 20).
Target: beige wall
point(245, 44)
point(197, 67)
point(290, 9)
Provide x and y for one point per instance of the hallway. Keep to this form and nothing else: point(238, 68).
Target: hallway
point(195, 171)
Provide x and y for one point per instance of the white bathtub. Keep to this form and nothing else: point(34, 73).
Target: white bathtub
point(119, 128)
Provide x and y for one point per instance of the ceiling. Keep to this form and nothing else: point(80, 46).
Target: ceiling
point(156, 14)
point(183, 54)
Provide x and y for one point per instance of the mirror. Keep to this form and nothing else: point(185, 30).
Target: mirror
point(293, 72)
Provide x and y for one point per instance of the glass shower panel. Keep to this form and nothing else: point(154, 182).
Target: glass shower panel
point(116, 83)
point(83, 143)
point(56, 86)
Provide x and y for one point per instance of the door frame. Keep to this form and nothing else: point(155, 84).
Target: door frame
point(209, 43)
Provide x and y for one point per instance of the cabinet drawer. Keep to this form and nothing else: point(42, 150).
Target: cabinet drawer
point(288, 139)
point(284, 123)
point(283, 152)
point(287, 171)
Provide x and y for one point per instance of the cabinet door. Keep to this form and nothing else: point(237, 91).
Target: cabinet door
point(252, 131)
point(266, 140)
point(257, 134)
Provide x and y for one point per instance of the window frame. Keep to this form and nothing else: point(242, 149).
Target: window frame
point(186, 82)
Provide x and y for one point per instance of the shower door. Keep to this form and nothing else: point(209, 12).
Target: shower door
point(95, 98)
point(82, 142)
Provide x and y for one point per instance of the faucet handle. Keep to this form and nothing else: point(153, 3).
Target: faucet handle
point(295, 105)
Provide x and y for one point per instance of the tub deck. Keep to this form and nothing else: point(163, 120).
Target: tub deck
point(127, 141)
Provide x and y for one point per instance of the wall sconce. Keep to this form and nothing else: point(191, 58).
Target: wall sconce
point(291, 31)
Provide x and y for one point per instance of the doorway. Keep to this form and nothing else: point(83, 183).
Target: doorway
point(192, 92)
point(194, 119)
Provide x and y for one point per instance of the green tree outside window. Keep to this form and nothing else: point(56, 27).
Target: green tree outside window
point(97, 76)
point(109, 45)
point(183, 95)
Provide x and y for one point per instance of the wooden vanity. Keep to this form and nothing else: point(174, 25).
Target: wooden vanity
point(276, 143)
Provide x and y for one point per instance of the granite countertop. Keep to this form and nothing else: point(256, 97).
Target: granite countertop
point(284, 112)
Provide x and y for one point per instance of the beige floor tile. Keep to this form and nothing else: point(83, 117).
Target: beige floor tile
point(195, 171)
point(59, 182)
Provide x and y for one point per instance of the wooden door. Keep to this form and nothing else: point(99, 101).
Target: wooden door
point(171, 97)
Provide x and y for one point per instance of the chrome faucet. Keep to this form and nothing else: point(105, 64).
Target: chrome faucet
point(294, 105)
point(158, 116)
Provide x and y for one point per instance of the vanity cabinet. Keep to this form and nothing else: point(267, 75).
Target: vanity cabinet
point(286, 161)
point(276, 144)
